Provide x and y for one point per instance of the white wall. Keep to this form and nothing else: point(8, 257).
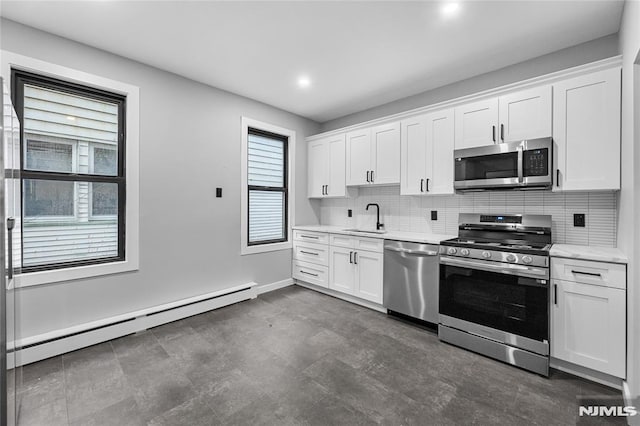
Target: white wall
point(629, 235)
point(591, 51)
point(189, 145)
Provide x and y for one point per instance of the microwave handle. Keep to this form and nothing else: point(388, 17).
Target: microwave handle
point(521, 164)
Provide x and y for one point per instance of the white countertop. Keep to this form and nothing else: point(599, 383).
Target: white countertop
point(415, 237)
point(602, 254)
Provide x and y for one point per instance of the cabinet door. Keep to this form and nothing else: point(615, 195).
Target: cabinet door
point(317, 152)
point(476, 124)
point(440, 140)
point(589, 326)
point(336, 184)
point(386, 154)
point(413, 155)
point(369, 276)
point(358, 156)
point(586, 130)
point(341, 270)
point(525, 115)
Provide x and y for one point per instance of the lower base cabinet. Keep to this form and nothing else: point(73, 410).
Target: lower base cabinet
point(356, 272)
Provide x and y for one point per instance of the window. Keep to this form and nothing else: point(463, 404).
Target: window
point(266, 191)
point(72, 173)
point(267, 178)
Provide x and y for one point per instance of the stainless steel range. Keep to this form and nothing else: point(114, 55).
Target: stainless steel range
point(494, 288)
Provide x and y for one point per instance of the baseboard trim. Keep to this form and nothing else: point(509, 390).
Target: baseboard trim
point(47, 345)
point(342, 296)
point(587, 373)
point(264, 288)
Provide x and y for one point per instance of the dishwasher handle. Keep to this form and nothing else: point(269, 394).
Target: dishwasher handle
point(409, 251)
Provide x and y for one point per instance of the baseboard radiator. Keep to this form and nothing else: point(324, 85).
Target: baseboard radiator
point(55, 343)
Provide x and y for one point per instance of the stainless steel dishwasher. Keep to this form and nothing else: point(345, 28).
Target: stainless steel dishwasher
point(411, 277)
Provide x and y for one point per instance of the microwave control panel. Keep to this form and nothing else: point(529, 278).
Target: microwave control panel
point(536, 162)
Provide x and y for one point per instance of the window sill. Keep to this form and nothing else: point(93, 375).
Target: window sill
point(75, 273)
point(263, 248)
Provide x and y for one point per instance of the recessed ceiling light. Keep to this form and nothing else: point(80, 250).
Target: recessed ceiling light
point(70, 118)
point(450, 9)
point(304, 82)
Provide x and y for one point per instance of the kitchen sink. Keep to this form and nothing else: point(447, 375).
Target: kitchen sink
point(366, 231)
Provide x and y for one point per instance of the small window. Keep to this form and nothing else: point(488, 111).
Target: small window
point(267, 187)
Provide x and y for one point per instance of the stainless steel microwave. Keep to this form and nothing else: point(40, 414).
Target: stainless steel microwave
point(525, 164)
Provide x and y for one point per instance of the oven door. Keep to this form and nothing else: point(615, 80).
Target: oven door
point(507, 303)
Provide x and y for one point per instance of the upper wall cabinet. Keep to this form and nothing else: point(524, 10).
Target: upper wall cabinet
point(326, 167)
point(516, 116)
point(586, 132)
point(373, 155)
point(427, 154)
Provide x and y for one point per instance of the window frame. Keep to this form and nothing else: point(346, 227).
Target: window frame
point(270, 130)
point(10, 61)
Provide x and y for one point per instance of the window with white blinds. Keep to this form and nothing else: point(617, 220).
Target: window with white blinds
point(267, 187)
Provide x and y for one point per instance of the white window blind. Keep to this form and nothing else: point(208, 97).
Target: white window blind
point(267, 157)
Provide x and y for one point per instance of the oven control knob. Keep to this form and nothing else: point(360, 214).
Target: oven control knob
point(527, 259)
point(451, 250)
point(486, 254)
point(511, 258)
point(464, 252)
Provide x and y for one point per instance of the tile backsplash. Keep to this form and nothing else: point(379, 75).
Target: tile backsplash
point(413, 213)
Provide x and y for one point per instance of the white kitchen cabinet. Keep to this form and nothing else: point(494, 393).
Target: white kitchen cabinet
point(512, 117)
point(311, 257)
point(355, 271)
point(427, 154)
point(588, 316)
point(373, 155)
point(326, 167)
point(586, 132)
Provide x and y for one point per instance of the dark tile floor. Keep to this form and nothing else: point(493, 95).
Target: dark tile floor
point(291, 357)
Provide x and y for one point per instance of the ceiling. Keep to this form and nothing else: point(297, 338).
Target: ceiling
point(357, 55)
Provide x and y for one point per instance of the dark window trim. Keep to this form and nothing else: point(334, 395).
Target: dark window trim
point(284, 189)
point(18, 79)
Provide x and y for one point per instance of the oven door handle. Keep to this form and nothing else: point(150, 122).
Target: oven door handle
point(503, 268)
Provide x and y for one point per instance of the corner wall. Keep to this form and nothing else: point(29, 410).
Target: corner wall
point(190, 137)
point(629, 226)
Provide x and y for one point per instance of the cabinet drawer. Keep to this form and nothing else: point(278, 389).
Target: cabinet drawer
point(589, 272)
point(337, 240)
point(311, 236)
point(370, 244)
point(311, 252)
point(311, 273)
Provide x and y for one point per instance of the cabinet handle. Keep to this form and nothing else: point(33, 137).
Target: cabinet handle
point(355, 258)
point(592, 274)
point(502, 132)
point(11, 222)
point(493, 133)
point(558, 178)
point(371, 176)
point(326, 190)
point(421, 182)
point(309, 236)
point(309, 252)
point(368, 176)
point(308, 273)
point(350, 257)
point(555, 294)
point(427, 184)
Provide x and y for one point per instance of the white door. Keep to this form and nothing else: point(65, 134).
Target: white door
point(413, 155)
point(588, 326)
point(440, 141)
point(369, 276)
point(359, 164)
point(525, 115)
point(586, 130)
point(386, 153)
point(341, 270)
point(317, 172)
point(336, 166)
point(476, 124)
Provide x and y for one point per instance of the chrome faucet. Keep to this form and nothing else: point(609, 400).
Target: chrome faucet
point(378, 224)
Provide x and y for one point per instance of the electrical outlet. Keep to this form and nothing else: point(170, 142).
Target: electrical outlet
point(349, 213)
point(218, 192)
point(579, 220)
point(434, 214)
